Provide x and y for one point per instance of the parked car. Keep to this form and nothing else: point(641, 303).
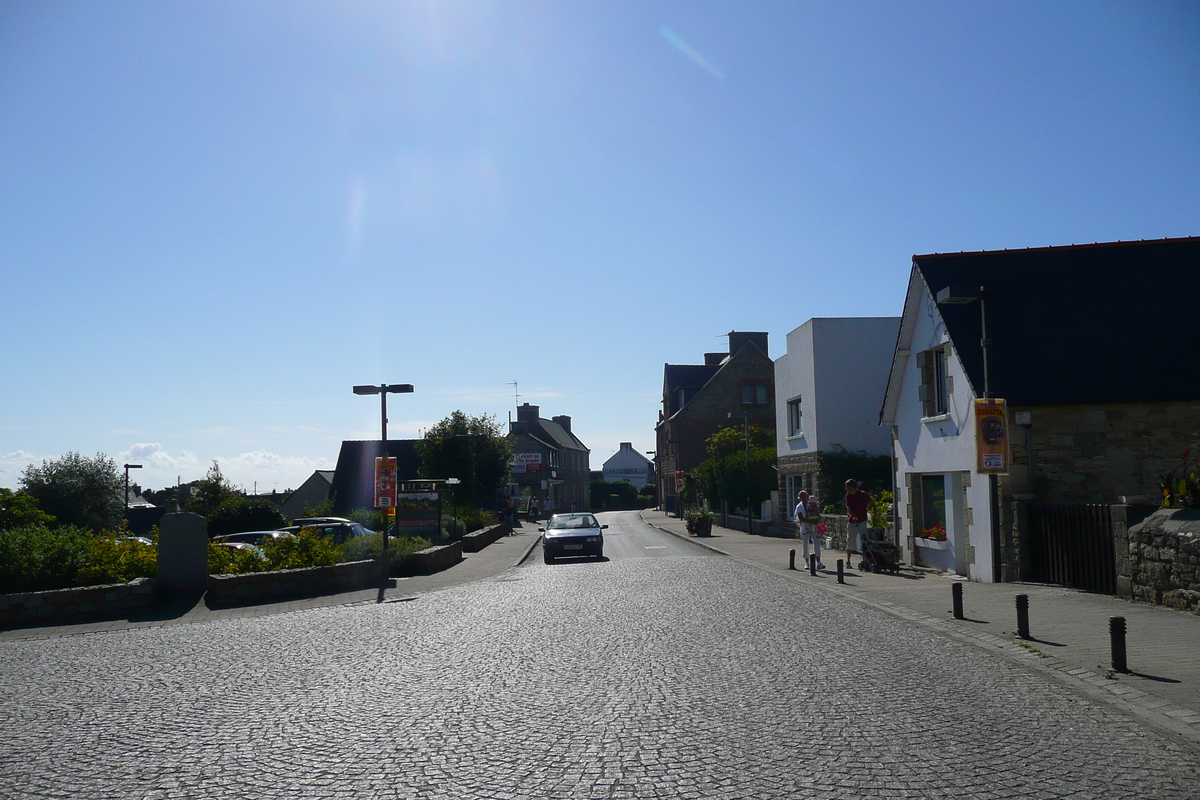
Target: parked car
point(253, 537)
point(336, 528)
point(572, 535)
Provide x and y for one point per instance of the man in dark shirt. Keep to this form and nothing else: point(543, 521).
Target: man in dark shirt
point(857, 503)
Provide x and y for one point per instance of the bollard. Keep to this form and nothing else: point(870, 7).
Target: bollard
point(841, 575)
point(812, 565)
point(1116, 632)
point(792, 558)
point(957, 591)
point(1023, 616)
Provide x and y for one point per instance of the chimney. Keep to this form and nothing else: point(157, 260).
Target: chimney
point(564, 421)
point(738, 340)
point(714, 359)
point(528, 413)
point(626, 445)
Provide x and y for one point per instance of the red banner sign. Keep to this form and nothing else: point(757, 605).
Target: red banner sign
point(385, 483)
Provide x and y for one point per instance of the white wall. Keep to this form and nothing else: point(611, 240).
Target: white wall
point(853, 359)
point(943, 445)
point(794, 376)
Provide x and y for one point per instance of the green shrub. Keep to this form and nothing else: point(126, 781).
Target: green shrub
point(476, 518)
point(35, 559)
point(400, 550)
point(234, 561)
point(306, 549)
point(453, 528)
point(112, 559)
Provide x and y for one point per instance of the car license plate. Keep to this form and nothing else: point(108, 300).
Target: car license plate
point(572, 547)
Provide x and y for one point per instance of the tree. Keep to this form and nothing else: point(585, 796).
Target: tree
point(211, 491)
point(472, 449)
point(77, 490)
point(240, 514)
point(731, 474)
point(19, 510)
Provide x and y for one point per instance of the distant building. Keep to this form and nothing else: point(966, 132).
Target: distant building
point(628, 464)
point(549, 462)
point(828, 386)
point(698, 400)
point(312, 492)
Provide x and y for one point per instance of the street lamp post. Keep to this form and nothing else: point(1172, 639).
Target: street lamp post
point(960, 295)
point(127, 468)
point(383, 390)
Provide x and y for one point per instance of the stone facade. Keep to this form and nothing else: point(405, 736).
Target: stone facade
point(1098, 453)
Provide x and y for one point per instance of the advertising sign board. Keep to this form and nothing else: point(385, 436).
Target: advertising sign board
point(526, 462)
point(991, 436)
point(385, 483)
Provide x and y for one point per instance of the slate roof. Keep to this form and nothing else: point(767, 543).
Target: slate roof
point(354, 477)
point(1100, 323)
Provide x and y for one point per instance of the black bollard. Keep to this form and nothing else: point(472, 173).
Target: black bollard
point(1023, 616)
point(841, 576)
point(792, 558)
point(1116, 632)
point(957, 590)
point(812, 565)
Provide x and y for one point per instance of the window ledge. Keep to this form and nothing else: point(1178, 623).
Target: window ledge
point(937, 418)
point(796, 436)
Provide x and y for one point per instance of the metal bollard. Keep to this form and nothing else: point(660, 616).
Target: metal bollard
point(812, 565)
point(1023, 616)
point(1116, 632)
point(792, 558)
point(841, 575)
point(957, 591)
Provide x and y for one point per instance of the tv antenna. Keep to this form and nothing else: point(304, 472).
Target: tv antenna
point(516, 397)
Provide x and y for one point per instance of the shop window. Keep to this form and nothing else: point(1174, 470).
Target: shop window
point(933, 503)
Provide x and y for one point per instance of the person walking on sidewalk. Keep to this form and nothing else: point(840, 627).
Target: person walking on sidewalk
point(808, 516)
point(533, 509)
point(857, 503)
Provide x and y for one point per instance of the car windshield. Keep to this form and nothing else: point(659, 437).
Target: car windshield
point(573, 521)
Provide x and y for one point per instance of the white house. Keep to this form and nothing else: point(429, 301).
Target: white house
point(828, 386)
point(628, 464)
point(1079, 343)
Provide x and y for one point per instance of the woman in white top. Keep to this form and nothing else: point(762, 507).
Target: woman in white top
point(808, 515)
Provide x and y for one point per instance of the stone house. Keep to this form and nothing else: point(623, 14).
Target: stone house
point(549, 461)
point(1089, 347)
point(628, 464)
point(698, 400)
point(827, 390)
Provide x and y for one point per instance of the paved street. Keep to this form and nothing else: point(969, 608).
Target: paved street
point(664, 671)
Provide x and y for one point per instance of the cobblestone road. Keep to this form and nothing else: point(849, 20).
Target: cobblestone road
point(632, 678)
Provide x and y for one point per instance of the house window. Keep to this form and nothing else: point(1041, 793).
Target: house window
point(933, 502)
point(936, 384)
point(795, 417)
point(754, 394)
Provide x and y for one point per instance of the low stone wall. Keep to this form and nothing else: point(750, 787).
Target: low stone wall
point(475, 541)
point(80, 603)
point(1164, 559)
point(258, 586)
point(436, 558)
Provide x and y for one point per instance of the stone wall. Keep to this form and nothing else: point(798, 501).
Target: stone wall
point(1159, 559)
point(437, 558)
point(253, 587)
point(73, 605)
point(475, 541)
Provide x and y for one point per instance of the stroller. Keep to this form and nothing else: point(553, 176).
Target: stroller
point(879, 555)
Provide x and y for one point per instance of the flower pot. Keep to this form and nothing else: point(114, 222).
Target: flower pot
point(931, 544)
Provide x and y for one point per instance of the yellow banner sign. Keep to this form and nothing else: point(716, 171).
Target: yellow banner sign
point(991, 437)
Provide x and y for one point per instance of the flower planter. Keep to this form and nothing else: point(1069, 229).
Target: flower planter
point(932, 544)
point(700, 528)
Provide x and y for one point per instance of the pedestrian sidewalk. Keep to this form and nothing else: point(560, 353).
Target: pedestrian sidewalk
point(1069, 630)
point(495, 559)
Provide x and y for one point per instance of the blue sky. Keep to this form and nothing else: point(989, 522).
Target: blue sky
point(215, 218)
